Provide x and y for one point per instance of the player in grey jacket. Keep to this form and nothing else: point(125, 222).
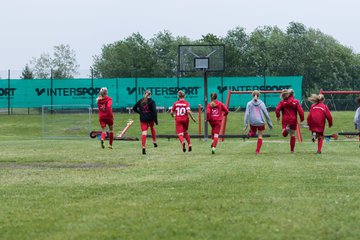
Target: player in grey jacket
point(357, 115)
point(255, 113)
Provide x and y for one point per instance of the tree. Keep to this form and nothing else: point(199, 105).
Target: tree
point(165, 47)
point(62, 64)
point(27, 73)
point(125, 58)
point(236, 45)
point(268, 50)
point(136, 56)
point(210, 39)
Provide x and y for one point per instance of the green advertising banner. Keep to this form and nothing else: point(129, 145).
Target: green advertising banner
point(21, 93)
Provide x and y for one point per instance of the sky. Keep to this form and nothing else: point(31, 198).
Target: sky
point(30, 28)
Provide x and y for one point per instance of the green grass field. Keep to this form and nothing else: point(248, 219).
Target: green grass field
point(72, 189)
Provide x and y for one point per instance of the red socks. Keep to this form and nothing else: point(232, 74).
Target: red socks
point(258, 146)
point(181, 138)
point(187, 137)
point(320, 143)
point(215, 141)
point(292, 143)
point(143, 141)
point(111, 138)
point(153, 134)
point(103, 135)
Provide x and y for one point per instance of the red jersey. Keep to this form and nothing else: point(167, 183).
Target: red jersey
point(317, 117)
point(181, 109)
point(289, 108)
point(217, 112)
point(105, 107)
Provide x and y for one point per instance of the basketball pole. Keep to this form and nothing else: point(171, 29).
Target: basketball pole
point(205, 104)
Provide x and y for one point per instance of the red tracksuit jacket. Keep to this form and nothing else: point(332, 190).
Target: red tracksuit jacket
point(105, 110)
point(318, 114)
point(289, 108)
point(216, 113)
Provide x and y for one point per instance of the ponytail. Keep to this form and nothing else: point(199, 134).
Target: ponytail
point(314, 98)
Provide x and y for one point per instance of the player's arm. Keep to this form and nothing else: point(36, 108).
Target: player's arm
point(266, 114)
point(225, 110)
point(277, 110)
point(154, 112)
point(357, 118)
point(300, 111)
point(308, 120)
point(191, 115)
point(109, 104)
point(328, 116)
point(208, 112)
point(246, 117)
point(172, 111)
point(136, 107)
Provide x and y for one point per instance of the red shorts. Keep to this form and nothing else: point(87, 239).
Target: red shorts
point(254, 129)
point(145, 125)
point(215, 127)
point(106, 121)
point(181, 125)
point(292, 126)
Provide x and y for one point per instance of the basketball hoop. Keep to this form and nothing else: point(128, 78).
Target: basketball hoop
point(205, 58)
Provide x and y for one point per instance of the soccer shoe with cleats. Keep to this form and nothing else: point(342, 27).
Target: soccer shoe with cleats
point(144, 151)
point(155, 144)
point(190, 148)
point(183, 147)
point(102, 144)
point(110, 147)
point(213, 150)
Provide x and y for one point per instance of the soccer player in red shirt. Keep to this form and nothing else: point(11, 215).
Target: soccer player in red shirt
point(215, 111)
point(106, 116)
point(146, 107)
point(289, 108)
point(317, 117)
point(181, 111)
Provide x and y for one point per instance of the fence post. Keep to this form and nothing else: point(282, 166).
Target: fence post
point(92, 87)
point(8, 91)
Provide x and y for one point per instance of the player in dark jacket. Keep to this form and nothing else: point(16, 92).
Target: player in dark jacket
point(146, 107)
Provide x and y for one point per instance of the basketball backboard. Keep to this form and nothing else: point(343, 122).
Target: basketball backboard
point(208, 58)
